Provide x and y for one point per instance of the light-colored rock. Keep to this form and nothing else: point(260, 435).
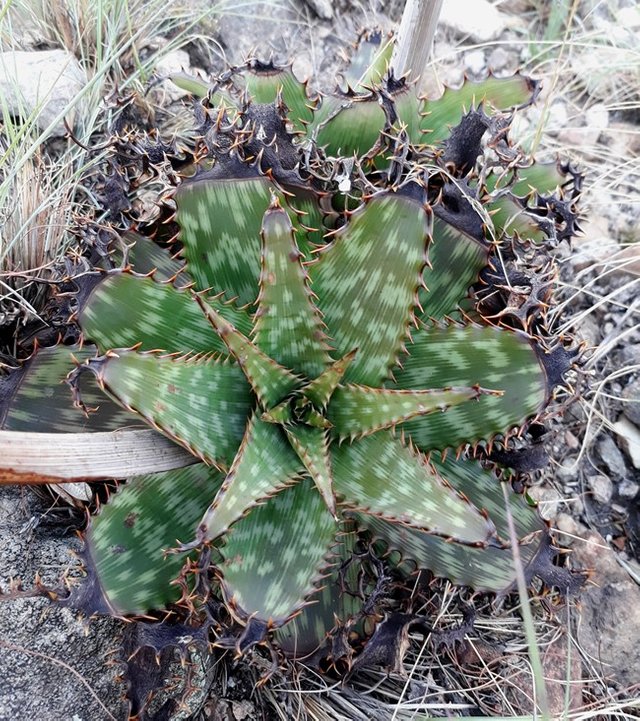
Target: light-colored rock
point(52, 664)
point(474, 61)
point(548, 500)
point(612, 457)
point(631, 398)
point(609, 612)
point(597, 117)
point(557, 117)
point(49, 79)
point(601, 488)
point(499, 59)
point(629, 435)
point(628, 488)
point(479, 19)
point(177, 61)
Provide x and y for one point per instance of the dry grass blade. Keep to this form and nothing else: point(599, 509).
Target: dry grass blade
point(61, 457)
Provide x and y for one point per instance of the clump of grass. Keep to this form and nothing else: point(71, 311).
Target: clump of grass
point(45, 186)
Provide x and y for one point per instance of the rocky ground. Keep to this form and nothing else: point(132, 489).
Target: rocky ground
point(52, 664)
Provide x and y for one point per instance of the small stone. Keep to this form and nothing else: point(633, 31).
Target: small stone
point(609, 608)
point(631, 397)
point(571, 441)
point(548, 500)
point(597, 117)
point(474, 61)
point(479, 19)
point(48, 79)
point(177, 61)
point(557, 118)
point(499, 59)
point(628, 489)
point(567, 527)
point(630, 438)
point(630, 354)
point(612, 457)
point(601, 488)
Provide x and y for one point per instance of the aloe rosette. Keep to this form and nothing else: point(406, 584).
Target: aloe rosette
point(331, 340)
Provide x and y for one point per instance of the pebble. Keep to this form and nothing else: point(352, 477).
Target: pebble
point(548, 500)
point(557, 118)
point(601, 488)
point(609, 611)
point(612, 457)
point(499, 59)
point(474, 61)
point(479, 19)
point(568, 526)
point(629, 435)
point(628, 489)
point(631, 396)
point(47, 78)
point(176, 61)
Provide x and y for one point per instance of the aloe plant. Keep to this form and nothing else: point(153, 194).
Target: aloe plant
point(332, 319)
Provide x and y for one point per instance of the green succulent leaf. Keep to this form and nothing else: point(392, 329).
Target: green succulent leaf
point(288, 327)
point(126, 310)
point(270, 381)
point(356, 411)
point(265, 82)
point(338, 602)
point(484, 490)
point(144, 256)
point(145, 518)
point(200, 402)
point(509, 216)
point(369, 62)
point(349, 125)
point(455, 262)
point(367, 281)
point(447, 111)
point(223, 256)
point(276, 555)
point(312, 446)
point(493, 358)
point(382, 477)
point(488, 569)
point(36, 397)
point(264, 464)
point(320, 389)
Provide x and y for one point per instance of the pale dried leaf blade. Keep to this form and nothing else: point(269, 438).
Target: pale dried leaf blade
point(61, 457)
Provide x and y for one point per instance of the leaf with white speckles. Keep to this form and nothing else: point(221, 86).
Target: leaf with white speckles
point(456, 260)
point(147, 516)
point(276, 555)
point(202, 403)
point(36, 398)
point(270, 381)
point(312, 446)
point(367, 281)
point(288, 327)
point(356, 411)
point(223, 256)
point(382, 477)
point(264, 464)
point(493, 358)
point(124, 310)
point(491, 568)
